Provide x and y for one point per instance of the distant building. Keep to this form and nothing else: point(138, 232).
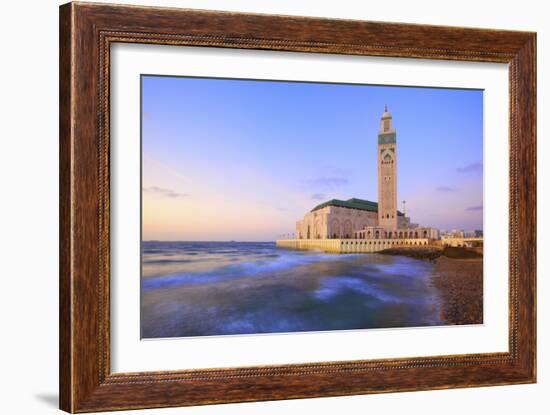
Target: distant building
point(462, 238)
point(362, 219)
point(455, 233)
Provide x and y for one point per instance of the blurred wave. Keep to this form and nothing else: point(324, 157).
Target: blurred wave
point(220, 288)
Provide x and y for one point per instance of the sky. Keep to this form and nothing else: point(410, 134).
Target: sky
point(243, 160)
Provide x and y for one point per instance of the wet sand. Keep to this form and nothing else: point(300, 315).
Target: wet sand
point(460, 282)
point(458, 276)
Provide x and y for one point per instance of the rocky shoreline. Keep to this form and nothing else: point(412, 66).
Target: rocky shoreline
point(458, 275)
point(432, 253)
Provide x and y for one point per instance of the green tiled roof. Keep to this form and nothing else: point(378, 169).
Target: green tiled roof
point(353, 203)
point(388, 138)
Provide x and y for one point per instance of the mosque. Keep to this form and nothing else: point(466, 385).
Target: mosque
point(360, 219)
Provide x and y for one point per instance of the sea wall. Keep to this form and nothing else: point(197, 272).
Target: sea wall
point(342, 246)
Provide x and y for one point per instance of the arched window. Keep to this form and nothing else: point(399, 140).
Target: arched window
point(347, 228)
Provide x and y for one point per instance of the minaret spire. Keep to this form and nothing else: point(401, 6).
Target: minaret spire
point(387, 173)
point(386, 126)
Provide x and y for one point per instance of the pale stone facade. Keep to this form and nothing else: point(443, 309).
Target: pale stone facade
point(363, 219)
point(332, 222)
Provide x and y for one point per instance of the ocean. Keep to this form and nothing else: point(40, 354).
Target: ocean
point(229, 288)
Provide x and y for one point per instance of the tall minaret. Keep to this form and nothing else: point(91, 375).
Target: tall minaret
point(387, 173)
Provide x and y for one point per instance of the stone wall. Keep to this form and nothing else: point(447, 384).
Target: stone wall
point(462, 242)
point(349, 245)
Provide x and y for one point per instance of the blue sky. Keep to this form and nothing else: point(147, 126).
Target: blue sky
point(244, 159)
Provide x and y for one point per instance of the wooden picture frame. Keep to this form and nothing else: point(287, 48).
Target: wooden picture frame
point(86, 33)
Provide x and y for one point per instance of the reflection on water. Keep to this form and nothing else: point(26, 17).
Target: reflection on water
point(217, 288)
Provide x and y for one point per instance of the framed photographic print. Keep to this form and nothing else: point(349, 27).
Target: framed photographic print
point(260, 207)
